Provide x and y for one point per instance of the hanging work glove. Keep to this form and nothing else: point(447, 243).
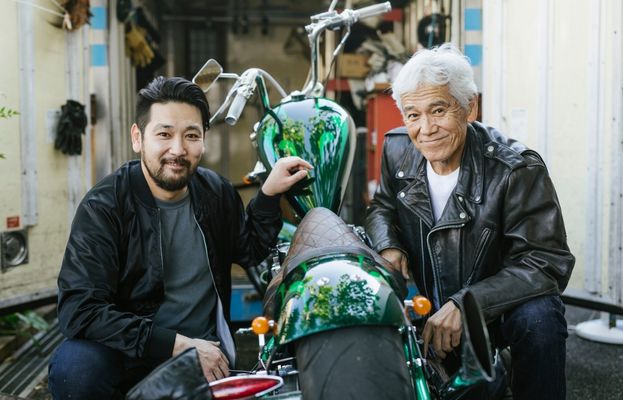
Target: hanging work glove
point(70, 128)
point(137, 47)
point(77, 13)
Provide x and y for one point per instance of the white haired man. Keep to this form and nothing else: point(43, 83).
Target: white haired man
point(462, 206)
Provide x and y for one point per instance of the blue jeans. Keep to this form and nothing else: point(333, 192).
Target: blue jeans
point(536, 332)
point(82, 369)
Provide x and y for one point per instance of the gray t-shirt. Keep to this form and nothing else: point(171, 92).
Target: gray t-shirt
point(189, 305)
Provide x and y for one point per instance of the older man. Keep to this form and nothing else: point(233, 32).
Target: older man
point(462, 206)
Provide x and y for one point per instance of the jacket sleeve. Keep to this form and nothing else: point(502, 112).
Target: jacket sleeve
point(381, 217)
point(88, 285)
point(537, 260)
point(256, 229)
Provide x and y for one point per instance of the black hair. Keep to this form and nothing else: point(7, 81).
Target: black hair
point(164, 90)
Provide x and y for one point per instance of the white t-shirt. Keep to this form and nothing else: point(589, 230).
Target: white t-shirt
point(440, 187)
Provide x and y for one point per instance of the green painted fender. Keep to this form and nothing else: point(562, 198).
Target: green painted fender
point(335, 291)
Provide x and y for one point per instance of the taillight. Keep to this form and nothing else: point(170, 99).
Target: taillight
point(244, 387)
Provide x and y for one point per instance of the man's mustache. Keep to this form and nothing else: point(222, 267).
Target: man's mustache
point(179, 160)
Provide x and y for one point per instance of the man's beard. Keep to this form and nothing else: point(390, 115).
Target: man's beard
point(174, 183)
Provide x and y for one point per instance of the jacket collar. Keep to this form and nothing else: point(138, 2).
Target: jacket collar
point(470, 184)
point(138, 184)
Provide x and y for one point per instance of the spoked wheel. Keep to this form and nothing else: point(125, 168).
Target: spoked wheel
point(362, 362)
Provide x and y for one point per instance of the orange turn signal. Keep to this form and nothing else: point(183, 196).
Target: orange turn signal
point(421, 305)
point(260, 325)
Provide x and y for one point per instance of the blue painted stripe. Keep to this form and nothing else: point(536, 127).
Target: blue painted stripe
point(99, 55)
point(99, 19)
point(474, 53)
point(473, 19)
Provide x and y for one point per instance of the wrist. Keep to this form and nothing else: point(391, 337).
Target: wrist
point(267, 191)
point(181, 344)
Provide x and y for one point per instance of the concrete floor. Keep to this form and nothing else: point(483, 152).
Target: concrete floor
point(594, 370)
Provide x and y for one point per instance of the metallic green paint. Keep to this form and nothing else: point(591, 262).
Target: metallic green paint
point(319, 131)
point(335, 291)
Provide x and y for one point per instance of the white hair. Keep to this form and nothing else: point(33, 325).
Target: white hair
point(443, 65)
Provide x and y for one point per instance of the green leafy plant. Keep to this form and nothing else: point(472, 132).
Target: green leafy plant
point(6, 113)
point(20, 323)
point(24, 325)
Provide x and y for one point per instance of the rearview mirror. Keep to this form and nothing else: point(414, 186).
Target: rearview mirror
point(208, 74)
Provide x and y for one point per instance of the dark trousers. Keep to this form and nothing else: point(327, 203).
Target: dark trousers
point(536, 332)
point(82, 369)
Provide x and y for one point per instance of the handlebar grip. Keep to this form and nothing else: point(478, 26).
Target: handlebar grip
point(371, 11)
point(235, 109)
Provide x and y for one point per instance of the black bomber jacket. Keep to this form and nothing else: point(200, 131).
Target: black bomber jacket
point(501, 234)
point(111, 278)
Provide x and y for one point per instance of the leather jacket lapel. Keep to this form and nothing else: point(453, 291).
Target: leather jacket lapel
point(470, 184)
point(414, 194)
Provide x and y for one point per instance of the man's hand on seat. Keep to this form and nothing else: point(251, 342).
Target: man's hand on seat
point(398, 260)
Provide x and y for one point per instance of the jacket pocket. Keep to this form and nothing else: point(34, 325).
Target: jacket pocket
point(481, 250)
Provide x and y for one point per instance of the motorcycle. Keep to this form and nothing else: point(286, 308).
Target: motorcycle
point(335, 324)
point(339, 328)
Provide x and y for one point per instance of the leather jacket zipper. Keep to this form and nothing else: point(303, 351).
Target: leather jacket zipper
point(161, 245)
point(205, 248)
point(479, 254)
point(424, 269)
point(230, 352)
point(435, 266)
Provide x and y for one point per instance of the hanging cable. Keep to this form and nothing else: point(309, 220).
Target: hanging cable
point(28, 3)
point(59, 5)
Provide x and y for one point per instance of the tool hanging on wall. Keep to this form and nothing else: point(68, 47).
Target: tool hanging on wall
point(431, 29)
point(137, 47)
point(77, 13)
point(70, 128)
point(141, 39)
point(73, 13)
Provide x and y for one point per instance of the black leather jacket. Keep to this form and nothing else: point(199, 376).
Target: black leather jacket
point(111, 279)
point(501, 234)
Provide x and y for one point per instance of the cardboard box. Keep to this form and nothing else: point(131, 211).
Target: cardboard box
point(352, 65)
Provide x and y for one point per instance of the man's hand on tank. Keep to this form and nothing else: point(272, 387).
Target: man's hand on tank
point(285, 173)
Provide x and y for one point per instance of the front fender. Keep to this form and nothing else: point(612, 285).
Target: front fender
point(336, 291)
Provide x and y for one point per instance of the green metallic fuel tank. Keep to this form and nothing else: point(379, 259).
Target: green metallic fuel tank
point(319, 131)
